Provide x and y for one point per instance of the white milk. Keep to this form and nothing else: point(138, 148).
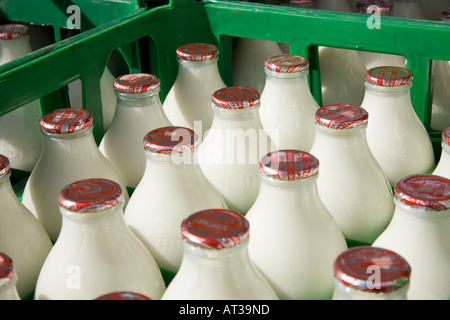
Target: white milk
point(216, 263)
point(287, 106)
point(139, 110)
point(229, 154)
point(8, 278)
point(20, 140)
point(22, 237)
point(290, 224)
point(96, 252)
point(443, 166)
point(69, 153)
point(172, 188)
point(189, 99)
point(419, 232)
point(370, 273)
point(396, 136)
point(249, 56)
point(351, 183)
point(409, 9)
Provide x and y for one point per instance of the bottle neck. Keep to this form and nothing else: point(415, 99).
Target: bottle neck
point(138, 100)
point(14, 49)
point(343, 292)
point(200, 70)
point(279, 84)
point(8, 289)
point(82, 141)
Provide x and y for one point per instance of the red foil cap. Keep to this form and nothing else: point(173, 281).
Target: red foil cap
point(197, 52)
point(389, 76)
point(286, 63)
point(63, 121)
point(136, 83)
point(289, 165)
point(372, 269)
point(4, 165)
point(13, 31)
point(170, 139)
point(424, 190)
point(90, 195)
point(123, 295)
point(6, 269)
point(446, 136)
point(215, 229)
point(385, 6)
point(299, 3)
point(236, 98)
point(341, 116)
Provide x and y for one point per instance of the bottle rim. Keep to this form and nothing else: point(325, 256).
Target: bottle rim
point(286, 63)
point(136, 83)
point(288, 165)
point(13, 31)
point(389, 76)
point(236, 98)
point(170, 140)
point(66, 121)
point(4, 165)
point(385, 6)
point(341, 116)
point(7, 271)
point(197, 52)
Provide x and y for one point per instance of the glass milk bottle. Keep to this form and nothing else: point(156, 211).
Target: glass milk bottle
point(8, 279)
point(371, 273)
point(396, 137)
point(248, 57)
point(351, 183)
point(376, 59)
point(419, 232)
point(123, 295)
point(96, 252)
point(229, 154)
point(216, 263)
point(188, 102)
point(409, 9)
point(69, 153)
point(20, 140)
point(22, 237)
point(138, 111)
point(290, 224)
point(287, 106)
point(443, 166)
point(172, 188)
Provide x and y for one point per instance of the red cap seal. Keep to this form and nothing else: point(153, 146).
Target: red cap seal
point(446, 14)
point(123, 295)
point(64, 121)
point(389, 76)
point(170, 139)
point(286, 63)
point(299, 3)
point(4, 165)
point(13, 31)
point(385, 6)
point(289, 165)
point(197, 52)
point(446, 136)
point(235, 98)
point(215, 229)
point(90, 195)
point(355, 268)
point(6, 267)
point(424, 190)
point(136, 83)
point(341, 116)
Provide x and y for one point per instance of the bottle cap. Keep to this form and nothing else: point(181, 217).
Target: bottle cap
point(64, 121)
point(385, 6)
point(341, 116)
point(136, 83)
point(289, 165)
point(389, 76)
point(170, 139)
point(424, 190)
point(286, 63)
point(446, 15)
point(197, 52)
point(4, 165)
point(90, 195)
point(235, 98)
point(372, 269)
point(215, 229)
point(446, 136)
point(123, 295)
point(6, 269)
point(299, 3)
point(13, 31)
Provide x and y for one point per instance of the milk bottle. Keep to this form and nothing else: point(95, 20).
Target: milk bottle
point(96, 252)
point(371, 273)
point(419, 232)
point(229, 154)
point(19, 129)
point(189, 99)
point(139, 110)
point(443, 166)
point(22, 237)
point(8, 279)
point(69, 153)
point(287, 105)
point(290, 224)
point(172, 188)
point(216, 263)
point(396, 136)
point(351, 183)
